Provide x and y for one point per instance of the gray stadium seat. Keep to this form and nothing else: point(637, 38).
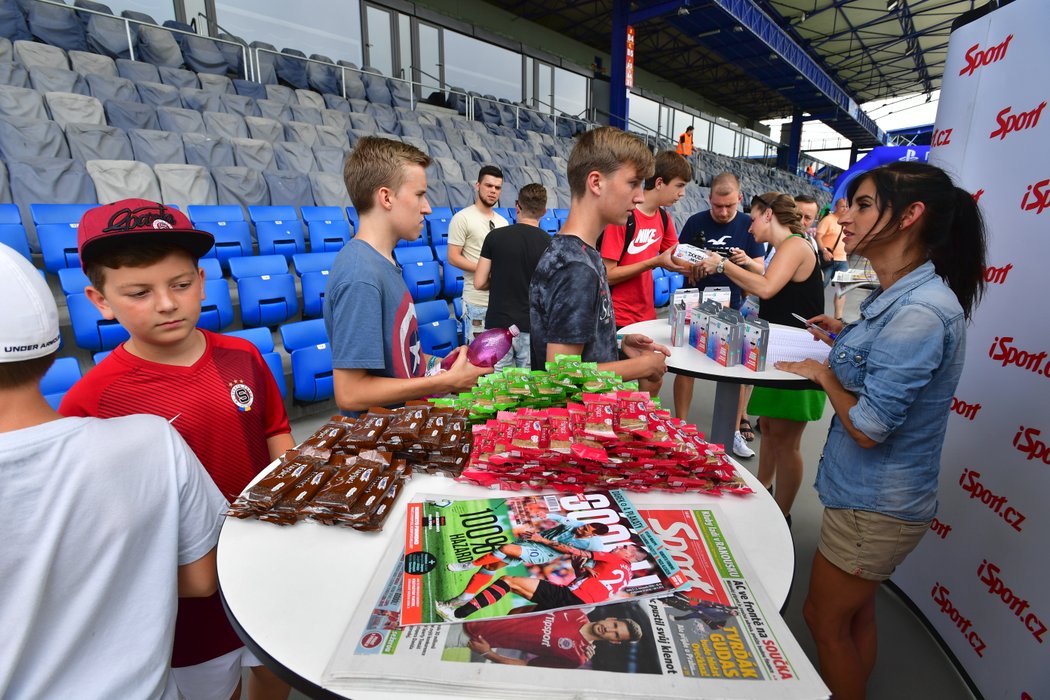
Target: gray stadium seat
point(301, 133)
point(356, 105)
point(266, 129)
point(66, 108)
point(31, 138)
point(323, 78)
point(120, 179)
point(235, 55)
point(249, 88)
point(240, 105)
point(200, 53)
point(153, 147)
point(153, 44)
point(274, 110)
point(460, 193)
point(447, 169)
point(418, 143)
point(333, 117)
point(291, 70)
point(355, 87)
point(187, 121)
point(105, 35)
point(400, 93)
point(219, 84)
point(56, 25)
point(85, 63)
point(5, 186)
point(437, 195)
point(332, 136)
point(288, 188)
point(14, 74)
point(207, 151)
point(376, 90)
point(131, 115)
point(329, 190)
point(13, 22)
point(265, 62)
point(46, 79)
point(329, 160)
point(282, 94)
point(52, 180)
point(303, 113)
point(220, 124)
point(438, 149)
point(107, 88)
point(364, 122)
point(253, 153)
point(385, 117)
point(137, 71)
point(309, 98)
point(200, 100)
point(159, 95)
point(412, 129)
point(240, 185)
point(32, 54)
point(355, 134)
point(294, 156)
point(94, 142)
point(183, 185)
point(178, 77)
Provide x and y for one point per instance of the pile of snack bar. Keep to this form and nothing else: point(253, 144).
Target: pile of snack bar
point(565, 380)
point(618, 440)
point(351, 471)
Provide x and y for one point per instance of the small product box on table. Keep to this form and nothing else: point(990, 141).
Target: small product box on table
point(755, 344)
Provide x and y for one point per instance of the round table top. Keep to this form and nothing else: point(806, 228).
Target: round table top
point(689, 361)
point(291, 591)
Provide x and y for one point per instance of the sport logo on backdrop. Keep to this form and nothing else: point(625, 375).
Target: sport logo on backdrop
point(997, 275)
point(1036, 197)
point(975, 57)
point(1016, 122)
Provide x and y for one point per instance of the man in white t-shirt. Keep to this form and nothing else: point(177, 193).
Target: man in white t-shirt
point(106, 524)
point(466, 233)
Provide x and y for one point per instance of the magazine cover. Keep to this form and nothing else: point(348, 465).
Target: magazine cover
point(475, 559)
point(717, 636)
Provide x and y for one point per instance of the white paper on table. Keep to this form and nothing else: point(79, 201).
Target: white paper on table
point(788, 344)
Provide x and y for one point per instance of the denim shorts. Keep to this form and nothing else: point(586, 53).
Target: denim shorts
point(473, 321)
point(865, 544)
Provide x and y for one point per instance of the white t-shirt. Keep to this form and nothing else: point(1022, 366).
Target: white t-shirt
point(98, 515)
point(468, 228)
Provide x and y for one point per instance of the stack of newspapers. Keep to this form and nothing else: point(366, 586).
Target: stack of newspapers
point(581, 595)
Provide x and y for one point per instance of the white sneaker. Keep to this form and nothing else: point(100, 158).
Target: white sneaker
point(461, 566)
point(740, 448)
point(446, 610)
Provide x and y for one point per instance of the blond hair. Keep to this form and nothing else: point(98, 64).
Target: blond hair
point(725, 184)
point(606, 149)
point(376, 162)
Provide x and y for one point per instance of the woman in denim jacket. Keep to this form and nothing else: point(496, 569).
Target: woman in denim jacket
point(890, 378)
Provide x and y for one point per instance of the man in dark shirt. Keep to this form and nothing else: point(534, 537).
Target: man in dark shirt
point(570, 307)
point(508, 258)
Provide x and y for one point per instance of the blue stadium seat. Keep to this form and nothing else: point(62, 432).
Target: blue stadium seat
point(675, 281)
point(661, 288)
point(100, 355)
point(440, 213)
point(56, 228)
point(441, 253)
point(457, 307)
point(265, 289)
point(560, 213)
point(550, 224)
point(12, 232)
point(355, 220)
point(429, 311)
point(313, 269)
point(506, 212)
point(212, 268)
point(262, 339)
point(278, 230)
point(437, 228)
point(413, 254)
point(64, 373)
point(422, 240)
point(226, 222)
point(452, 280)
point(72, 280)
point(307, 343)
point(439, 337)
point(90, 330)
point(423, 280)
point(327, 228)
point(217, 306)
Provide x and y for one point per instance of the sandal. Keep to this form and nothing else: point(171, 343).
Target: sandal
point(746, 431)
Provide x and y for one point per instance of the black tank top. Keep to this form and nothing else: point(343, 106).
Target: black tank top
point(804, 298)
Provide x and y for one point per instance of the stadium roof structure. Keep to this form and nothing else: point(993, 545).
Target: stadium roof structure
point(767, 59)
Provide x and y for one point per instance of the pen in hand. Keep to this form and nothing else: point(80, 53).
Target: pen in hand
point(815, 327)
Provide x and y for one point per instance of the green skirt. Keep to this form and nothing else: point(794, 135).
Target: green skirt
point(790, 404)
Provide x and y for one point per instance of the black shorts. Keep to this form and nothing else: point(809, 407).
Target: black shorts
point(548, 596)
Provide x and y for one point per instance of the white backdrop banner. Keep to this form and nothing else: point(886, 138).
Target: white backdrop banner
point(981, 576)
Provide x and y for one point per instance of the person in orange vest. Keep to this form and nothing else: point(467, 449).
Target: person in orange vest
point(685, 142)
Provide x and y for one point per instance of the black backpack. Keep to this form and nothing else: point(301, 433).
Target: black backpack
point(628, 235)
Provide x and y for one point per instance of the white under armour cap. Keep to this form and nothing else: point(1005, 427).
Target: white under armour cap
point(28, 315)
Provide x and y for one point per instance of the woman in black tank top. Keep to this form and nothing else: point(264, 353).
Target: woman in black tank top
point(792, 283)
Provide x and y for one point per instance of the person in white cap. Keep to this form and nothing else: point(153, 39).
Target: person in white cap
point(106, 522)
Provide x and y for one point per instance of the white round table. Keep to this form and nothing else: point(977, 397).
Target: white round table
point(689, 361)
point(291, 591)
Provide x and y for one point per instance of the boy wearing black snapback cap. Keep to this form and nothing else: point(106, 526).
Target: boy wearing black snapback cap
point(86, 609)
point(141, 259)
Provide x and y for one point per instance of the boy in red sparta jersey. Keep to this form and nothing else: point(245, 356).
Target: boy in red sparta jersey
point(562, 639)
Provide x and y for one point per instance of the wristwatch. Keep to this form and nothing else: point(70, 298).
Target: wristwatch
point(720, 267)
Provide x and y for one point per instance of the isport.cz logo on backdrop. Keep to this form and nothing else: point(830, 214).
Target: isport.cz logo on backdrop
point(1008, 122)
point(941, 598)
point(976, 57)
point(989, 574)
point(1037, 197)
point(1003, 350)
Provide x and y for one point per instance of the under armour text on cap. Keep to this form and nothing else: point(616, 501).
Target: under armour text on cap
point(117, 222)
point(28, 314)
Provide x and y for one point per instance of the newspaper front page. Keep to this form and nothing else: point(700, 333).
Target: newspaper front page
point(717, 636)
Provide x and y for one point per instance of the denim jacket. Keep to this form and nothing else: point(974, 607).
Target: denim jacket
point(902, 359)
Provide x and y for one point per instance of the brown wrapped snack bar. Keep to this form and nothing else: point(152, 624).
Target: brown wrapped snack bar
point(407, 423)
point(386, 504)
point(320, 444)
point(270, 488)
point(365, 433)
point(287, 510)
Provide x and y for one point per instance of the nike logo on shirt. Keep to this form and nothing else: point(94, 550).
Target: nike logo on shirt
point(643, 238)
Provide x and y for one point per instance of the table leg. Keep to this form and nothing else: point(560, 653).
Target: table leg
point(723, 420)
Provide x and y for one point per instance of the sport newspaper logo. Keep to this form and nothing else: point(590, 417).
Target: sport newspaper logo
point(1037, 197)
point(1008, 123)
point(976, 58)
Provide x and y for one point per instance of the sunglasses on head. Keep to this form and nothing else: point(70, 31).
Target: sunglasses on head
point(760, 200)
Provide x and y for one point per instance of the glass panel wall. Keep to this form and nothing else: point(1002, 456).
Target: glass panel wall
point(570, 92)
point(722, 141)
point(284, 25)
point(379, 52)
point(483, 68)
